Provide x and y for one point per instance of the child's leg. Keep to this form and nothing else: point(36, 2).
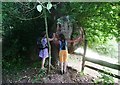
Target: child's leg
point(61, 67)
point(43, 62)
point(61, 61)
point(65, 60)
point(65, 65)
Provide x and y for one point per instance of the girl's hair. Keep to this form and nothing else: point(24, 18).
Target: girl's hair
point(62, 37)
point(43, 33)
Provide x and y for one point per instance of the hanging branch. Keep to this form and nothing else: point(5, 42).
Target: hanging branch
point(18, 17)
point(24, 4)
point(29, 18)
point(12, 14)
point(31, 8)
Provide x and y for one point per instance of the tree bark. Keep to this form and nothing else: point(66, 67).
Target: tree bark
point(54, 53)
point(67, 30)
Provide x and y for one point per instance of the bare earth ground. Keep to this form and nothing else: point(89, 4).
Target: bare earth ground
point(73, 75)
point(32, 75)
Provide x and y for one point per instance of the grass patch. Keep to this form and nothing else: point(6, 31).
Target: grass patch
point(82, 74)
point(105, 79)
point(40, 75)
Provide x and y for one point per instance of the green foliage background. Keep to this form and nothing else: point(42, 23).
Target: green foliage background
point(19, 31)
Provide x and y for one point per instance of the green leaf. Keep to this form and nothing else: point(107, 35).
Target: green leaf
point(38, 1)
point(39, 8)
point(49, 6)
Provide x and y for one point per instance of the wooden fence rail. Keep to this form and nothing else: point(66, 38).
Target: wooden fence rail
point(103, 63)
point(100, 62)
point(114, 75)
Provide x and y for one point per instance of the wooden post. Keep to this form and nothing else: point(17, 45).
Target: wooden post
point(83, 59)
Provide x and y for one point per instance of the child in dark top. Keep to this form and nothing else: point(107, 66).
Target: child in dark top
point(63, 51)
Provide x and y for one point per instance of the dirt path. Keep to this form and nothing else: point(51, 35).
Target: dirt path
point(35, 75)
point(71, 76)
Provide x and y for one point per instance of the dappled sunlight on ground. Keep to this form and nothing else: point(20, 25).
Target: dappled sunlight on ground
point(75, 62)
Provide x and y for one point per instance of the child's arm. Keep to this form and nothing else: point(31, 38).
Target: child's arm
point(79, 38)
point(51, 39)
point(75, 40)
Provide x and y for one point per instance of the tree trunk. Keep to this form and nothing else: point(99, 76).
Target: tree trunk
point(67, 30)
point(54, 53)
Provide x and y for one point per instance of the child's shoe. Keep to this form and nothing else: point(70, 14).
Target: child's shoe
point(61, 72)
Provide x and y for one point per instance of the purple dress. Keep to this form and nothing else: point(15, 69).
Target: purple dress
point(44, 53)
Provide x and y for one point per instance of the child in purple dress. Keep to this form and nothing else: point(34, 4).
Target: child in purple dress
point(44, 52)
